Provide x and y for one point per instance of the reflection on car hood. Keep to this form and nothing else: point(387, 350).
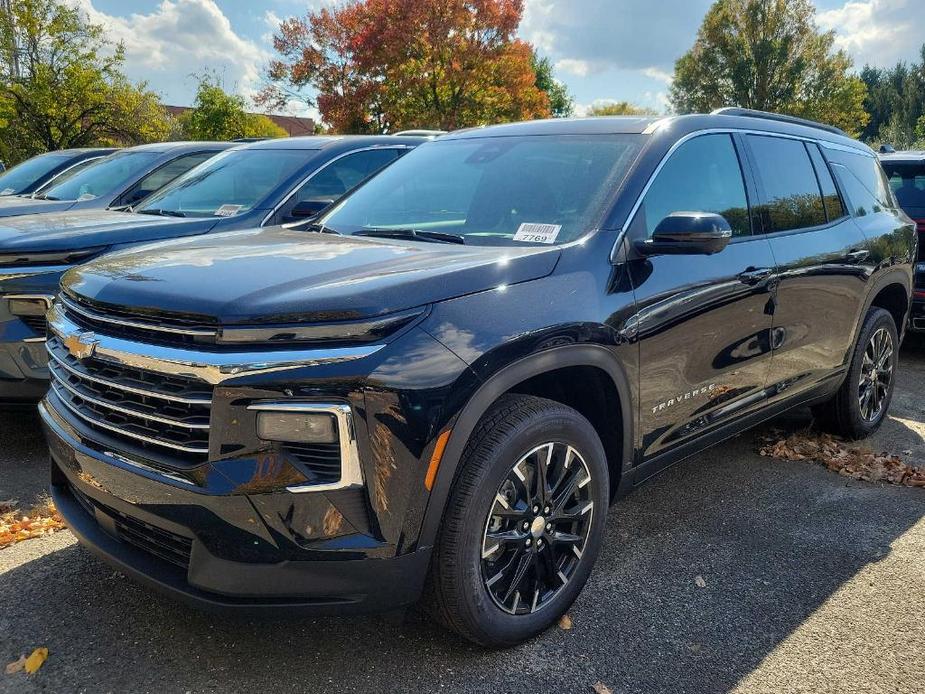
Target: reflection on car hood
point(13, 205)
point(281, 275)
point(67, 231)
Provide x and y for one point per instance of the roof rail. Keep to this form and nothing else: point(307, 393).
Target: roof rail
point(751, 113)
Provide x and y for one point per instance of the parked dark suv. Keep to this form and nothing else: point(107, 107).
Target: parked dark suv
point(906, 172)
point(271, 182)
point(29, 176)
point(441, 389)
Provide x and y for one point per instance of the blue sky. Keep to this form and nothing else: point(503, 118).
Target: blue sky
point(604, 50)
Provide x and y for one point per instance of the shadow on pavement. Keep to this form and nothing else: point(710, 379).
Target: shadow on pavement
point(772, 540)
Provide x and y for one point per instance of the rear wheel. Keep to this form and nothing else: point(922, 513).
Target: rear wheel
point(861, 404)
point(523, 524)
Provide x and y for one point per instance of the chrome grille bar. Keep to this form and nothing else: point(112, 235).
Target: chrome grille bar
point(123, 432)
point(91, 315)
point(205, 402)
point(125, 410)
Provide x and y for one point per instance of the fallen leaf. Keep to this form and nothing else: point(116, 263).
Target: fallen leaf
point(17, 525)
point(601, 688)
point(16, 665)
point(856, 463)
point(36, 660)
point(700, 583)
point(565, 622)
point(694, 647)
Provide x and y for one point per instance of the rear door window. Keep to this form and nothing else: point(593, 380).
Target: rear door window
point(834, 209)
point(703, 175)
point(790, 194)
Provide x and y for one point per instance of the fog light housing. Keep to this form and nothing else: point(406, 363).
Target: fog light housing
point(297, 427)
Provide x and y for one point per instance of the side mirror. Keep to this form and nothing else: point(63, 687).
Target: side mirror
point(688, 233)
point(309, 208)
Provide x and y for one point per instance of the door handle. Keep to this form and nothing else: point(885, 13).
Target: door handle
point(754, 275)
point(857, 255)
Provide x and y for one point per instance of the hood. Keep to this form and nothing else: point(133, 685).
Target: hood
point(12, 205)
point(74, 230)
point(277, 275)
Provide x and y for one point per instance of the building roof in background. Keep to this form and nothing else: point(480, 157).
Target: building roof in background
point(293, 125)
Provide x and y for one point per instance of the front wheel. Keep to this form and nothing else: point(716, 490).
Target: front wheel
point(523, 525)
point(861, 404)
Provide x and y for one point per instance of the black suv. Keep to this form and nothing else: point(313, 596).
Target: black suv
point(906, 172)
point(438, 387)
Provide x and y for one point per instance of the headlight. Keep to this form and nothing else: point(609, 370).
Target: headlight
point(297, 427)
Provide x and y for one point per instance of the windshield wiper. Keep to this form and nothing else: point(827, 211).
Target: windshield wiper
point(45, 196)
point(413, 234)
point(162, 213)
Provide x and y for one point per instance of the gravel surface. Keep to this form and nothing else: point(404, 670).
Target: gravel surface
point(812, 583)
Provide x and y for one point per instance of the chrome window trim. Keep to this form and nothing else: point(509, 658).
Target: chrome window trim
point(351, 475)
point(615, 250)
point(103, 318)
point(209, 367)
point(317, 171)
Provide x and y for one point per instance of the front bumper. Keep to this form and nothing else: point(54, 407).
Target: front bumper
point(23, 361)
point(215, 550)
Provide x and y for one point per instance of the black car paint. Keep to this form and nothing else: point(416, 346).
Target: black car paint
point(710, 334)
point(23, 373)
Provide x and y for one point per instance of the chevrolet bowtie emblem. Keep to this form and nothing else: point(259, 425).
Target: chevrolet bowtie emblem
point(81, 344)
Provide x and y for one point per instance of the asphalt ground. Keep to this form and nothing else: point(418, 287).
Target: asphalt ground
point(811, 582)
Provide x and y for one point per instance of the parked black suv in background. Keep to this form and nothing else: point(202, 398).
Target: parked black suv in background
point(269, 182)
point(440, 391)
point(906, 172)
point(29, 176)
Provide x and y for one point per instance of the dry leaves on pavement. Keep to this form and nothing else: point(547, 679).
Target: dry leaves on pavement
point(17, 525)
point(601, 688)
point(834, 454)
point(565, 622)
point(29, 665)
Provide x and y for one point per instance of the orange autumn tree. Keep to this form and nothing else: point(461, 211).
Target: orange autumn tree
point(386, 65)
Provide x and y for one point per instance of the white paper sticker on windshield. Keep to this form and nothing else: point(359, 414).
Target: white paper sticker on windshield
point(537, 233)
point(227, 210)
point(7, 191)
point(86, 196)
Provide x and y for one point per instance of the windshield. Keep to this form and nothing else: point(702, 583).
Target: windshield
point(230, 183)
point(907, 179)
point(105, 176)
point(28, 172)
point(494, 191)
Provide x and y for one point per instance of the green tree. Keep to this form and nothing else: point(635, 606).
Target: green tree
point(560, 101)
point(61, 84)
point(895, 101)
point(620, 108)
point(769, 55)
point(217, 115)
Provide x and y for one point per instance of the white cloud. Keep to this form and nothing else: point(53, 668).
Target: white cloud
point(579, 68)
point(658, 74)
point(182, 37)
point(878, 32)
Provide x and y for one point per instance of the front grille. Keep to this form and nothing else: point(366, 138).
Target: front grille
point(36, 324)
point(165, 414)
point(161, 543)
point(134, 325)
point(321, 461)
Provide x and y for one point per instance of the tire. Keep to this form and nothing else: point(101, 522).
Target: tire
point(517, 432)
point(845, 414)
